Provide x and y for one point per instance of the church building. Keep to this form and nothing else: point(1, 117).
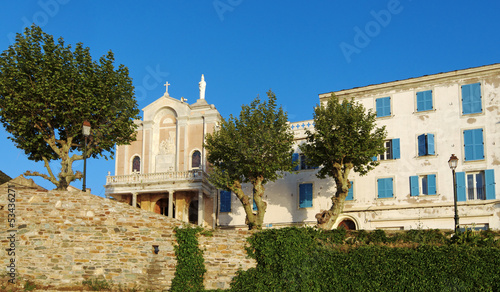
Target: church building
point(428, 119)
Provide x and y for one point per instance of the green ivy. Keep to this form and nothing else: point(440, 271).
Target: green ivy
point(305, 259)
point(190, 263)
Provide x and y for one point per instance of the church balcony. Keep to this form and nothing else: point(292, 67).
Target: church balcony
point(154, 182)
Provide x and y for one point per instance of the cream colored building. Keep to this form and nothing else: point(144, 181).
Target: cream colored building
point(427, 118)
point(164, 170)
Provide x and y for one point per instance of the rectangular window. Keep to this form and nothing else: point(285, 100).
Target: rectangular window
point(392, 150)
point(478, 185)
point(423, 184)
point(471, 99)
point(295, 161)
point(225, 201)
point(473, 144)
point(305, 195)
point(350, 194)
point(424, 100)
point(385, 187)
point(383, 106)
point(425, 144)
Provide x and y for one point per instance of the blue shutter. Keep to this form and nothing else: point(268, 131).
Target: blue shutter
point(471, 98)
point(295, 158)
point(466, 100)
point(431, 184)
point(414, 186)
point(254, 207)
point(428, 99)
point(421, 145)
point(473, 144)
point(305, 195)
point(374, 158)
point(475, 91)
point(424, 100)
point(420, 101)
point(490, 184)
point(430, 144)
point(350, 194)
point(383, 106)
point(461, 191)
point(478, 144)
point(385, 189)
point(468, 146)
point(225, 201)
point(396, 149)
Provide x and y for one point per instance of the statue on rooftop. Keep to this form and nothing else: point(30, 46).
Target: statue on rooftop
point(203, 85)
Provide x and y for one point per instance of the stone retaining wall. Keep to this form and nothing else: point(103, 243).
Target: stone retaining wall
point(63, 238)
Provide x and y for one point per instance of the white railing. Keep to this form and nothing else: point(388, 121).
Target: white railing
point(156, 177)
point(302, 125)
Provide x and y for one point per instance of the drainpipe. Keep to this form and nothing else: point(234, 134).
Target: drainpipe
point(203, 147)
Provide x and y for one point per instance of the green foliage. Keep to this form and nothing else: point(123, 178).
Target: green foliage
point(294, 259)
point(190, 263)
point(255, 147)
point(344, 135)
point(29, 286)
point(345, 138)
point(47, 90)
point(95, 284)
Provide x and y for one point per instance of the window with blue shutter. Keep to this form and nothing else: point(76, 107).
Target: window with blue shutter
point(350, 194)
point(305, 195)
point(430, 184)
point(471, 99)
point(473, 144)
point(254, 207)
point(383, 106)
point(396, 149)
point(295, 161)
point(425, 144)
point(489, 175)
point(427, 183)
point(392, 150)
point(424, 100)
point(461, 191)
point(414, 186)
point(225, 201)
point(385, 187)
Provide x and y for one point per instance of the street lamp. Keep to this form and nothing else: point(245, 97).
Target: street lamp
point(453, 164)
point(86, 133)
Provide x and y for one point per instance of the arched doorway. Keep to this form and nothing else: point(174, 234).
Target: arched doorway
point(161, 207)
point(347, 224)
point(193, 212)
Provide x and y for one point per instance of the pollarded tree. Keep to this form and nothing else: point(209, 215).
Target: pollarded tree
point(345, 138)
point(254, 148)
point(47, 91)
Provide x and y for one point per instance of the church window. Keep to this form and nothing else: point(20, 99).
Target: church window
point(196, 159)
point(136, 164)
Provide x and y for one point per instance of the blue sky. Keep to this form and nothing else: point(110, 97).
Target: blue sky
point(296, 48)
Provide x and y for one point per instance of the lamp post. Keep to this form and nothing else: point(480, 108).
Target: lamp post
point(453, 164)
point(86, 133)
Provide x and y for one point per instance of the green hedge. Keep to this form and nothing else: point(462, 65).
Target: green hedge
point(305, 259)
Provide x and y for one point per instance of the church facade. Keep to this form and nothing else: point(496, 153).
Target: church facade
point(427, 119)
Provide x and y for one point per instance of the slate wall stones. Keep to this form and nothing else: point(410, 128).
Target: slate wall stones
point(63, 238)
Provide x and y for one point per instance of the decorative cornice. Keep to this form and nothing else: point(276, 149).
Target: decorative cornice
point(416, 81)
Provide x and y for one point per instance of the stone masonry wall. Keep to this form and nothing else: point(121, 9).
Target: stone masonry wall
point(63, 238)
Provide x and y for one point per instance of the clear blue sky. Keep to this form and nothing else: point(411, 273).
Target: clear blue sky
point(298, 49)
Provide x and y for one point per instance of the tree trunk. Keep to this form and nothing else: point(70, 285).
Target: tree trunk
point(327, 218)
point(258, 193)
